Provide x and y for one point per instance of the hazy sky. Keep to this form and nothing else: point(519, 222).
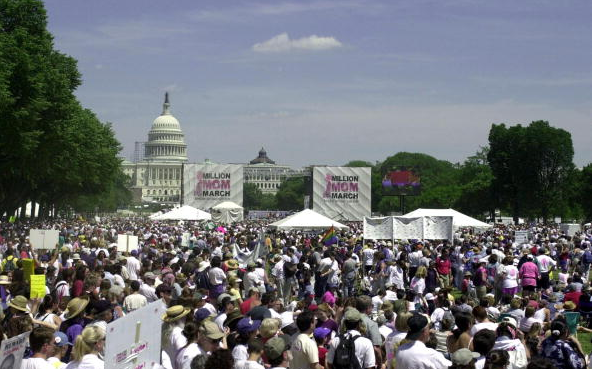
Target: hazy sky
point(325, 82)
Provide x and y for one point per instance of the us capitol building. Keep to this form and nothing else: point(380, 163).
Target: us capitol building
point(157, 176)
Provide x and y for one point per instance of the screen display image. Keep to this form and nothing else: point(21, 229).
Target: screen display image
point(401, 181)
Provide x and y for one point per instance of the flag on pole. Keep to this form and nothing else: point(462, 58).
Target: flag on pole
point(329, 237)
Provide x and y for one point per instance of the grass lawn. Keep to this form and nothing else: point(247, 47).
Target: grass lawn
point(584, 339)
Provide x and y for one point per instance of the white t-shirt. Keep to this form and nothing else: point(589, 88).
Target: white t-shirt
point(36, 363)
point(479, 326)
point(415, 355)
point(363, 349)
point(186, 355)
point(247, 364)
point(510, 276)
point(368, 256)
point(216, 276)
point(304, 352)
point(55, 363)
point(133, 268)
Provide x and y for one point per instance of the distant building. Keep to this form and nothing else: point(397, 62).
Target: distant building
point(266, 174)
point(158, 175)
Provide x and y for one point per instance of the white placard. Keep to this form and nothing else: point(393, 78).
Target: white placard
point(378, 228)
point(207, 185)
point(342, 193)
point(126, 242)
point(570, 229)
point(12, 351)
point(44, 239)
point(133, 341)
point(521, 237)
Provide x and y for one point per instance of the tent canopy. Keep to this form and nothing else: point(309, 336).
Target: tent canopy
point(459, 220)
point(185, 212)
point(227, 212)
point(227, 205)
point(307, 219)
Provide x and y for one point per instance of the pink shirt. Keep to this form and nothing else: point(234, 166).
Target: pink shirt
point(529, 273)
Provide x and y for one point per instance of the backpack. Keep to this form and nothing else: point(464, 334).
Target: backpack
point(202, 280)
point(290, 269)
point(448, 315)
point(345, 354)
point(587, 259)
point(478, 279)
point(10, 265)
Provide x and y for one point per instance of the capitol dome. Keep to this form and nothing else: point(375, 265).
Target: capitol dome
point(166, 141)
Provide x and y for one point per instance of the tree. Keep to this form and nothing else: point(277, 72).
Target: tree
point(251, 196)
point(585, 191)
point(475, 181)
point(52, 150)
point(290, 195)
point(530, 166)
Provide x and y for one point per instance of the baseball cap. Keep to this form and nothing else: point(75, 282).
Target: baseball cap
point(352, 315)
point(201, 314)
point(275, 346)
point(247, 325)
point(321, 332)
point(61, 339)
point(510, 320)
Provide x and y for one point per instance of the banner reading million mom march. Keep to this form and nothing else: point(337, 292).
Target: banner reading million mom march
point(207, 185)
point(342, 193)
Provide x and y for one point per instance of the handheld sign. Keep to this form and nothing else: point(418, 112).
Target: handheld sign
point(127, 243)
point(12, 351)
point(521, 237)
point(28, 268)
point(133, 341)
point(44, 238)
point(37, 287)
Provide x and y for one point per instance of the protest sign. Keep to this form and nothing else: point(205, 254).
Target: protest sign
point(570, 229)
point(408, 228)
point(133, 341)
point(126, 242)
point(185, 239)
point(44, 238)
point(12, 351)
point(521, 237)
point(37, 286)
point(28, 268)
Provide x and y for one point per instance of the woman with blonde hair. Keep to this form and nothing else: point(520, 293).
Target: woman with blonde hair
point(269, 328)
point(394, 339)
point(87, 348)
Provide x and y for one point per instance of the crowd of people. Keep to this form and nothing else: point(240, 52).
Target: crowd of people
point(242, 296)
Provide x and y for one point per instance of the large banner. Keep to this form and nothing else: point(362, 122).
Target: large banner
point(417, 228)
point(378, 228)
point(342, 193)
point(12, 351)
point(207, 185)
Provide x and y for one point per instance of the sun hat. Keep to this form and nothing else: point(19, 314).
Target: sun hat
point(569, 305)
point(76, 256)
point(223, 295)
point(4, 280)
point(275, 346)
point(247, 325)
point(232, 316)
point(61, 339)
point(463, 356)
point(231, 264)
point(199, 296)
point(203, 265)
point(211, 330)
point(75, 307)
point(19, 303)
point(430, 296)
point(149, 275)
point(510, 320)
point(175, 313)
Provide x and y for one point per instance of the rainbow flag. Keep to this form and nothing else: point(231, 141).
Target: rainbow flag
point(330, 237)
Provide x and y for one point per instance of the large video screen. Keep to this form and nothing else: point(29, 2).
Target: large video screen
point(401, 181)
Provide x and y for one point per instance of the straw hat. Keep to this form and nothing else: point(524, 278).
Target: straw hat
point(19, 303)
point(175, 313)
point(4, 280)
point(569, 305)
point(75, 307)
point(231, 264)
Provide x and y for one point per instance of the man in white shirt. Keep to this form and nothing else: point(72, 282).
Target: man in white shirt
point(362, 346)
point(305, 353)
point(42, 344)
point(546, 264)
point(147, 288)
point(134, 301)
point(415, 354)
point(133, 266)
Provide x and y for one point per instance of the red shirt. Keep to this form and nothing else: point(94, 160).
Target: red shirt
point(443, 266)
point(574, 297)
point(322, 353)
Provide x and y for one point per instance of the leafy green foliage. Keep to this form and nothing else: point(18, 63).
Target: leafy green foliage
point(254, 199)
point(52, 151)
point(290, 195)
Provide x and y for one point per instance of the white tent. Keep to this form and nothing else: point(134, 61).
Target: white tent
point(307, 219)
point(227, 212)
point(185, 212)
point(459, 220)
